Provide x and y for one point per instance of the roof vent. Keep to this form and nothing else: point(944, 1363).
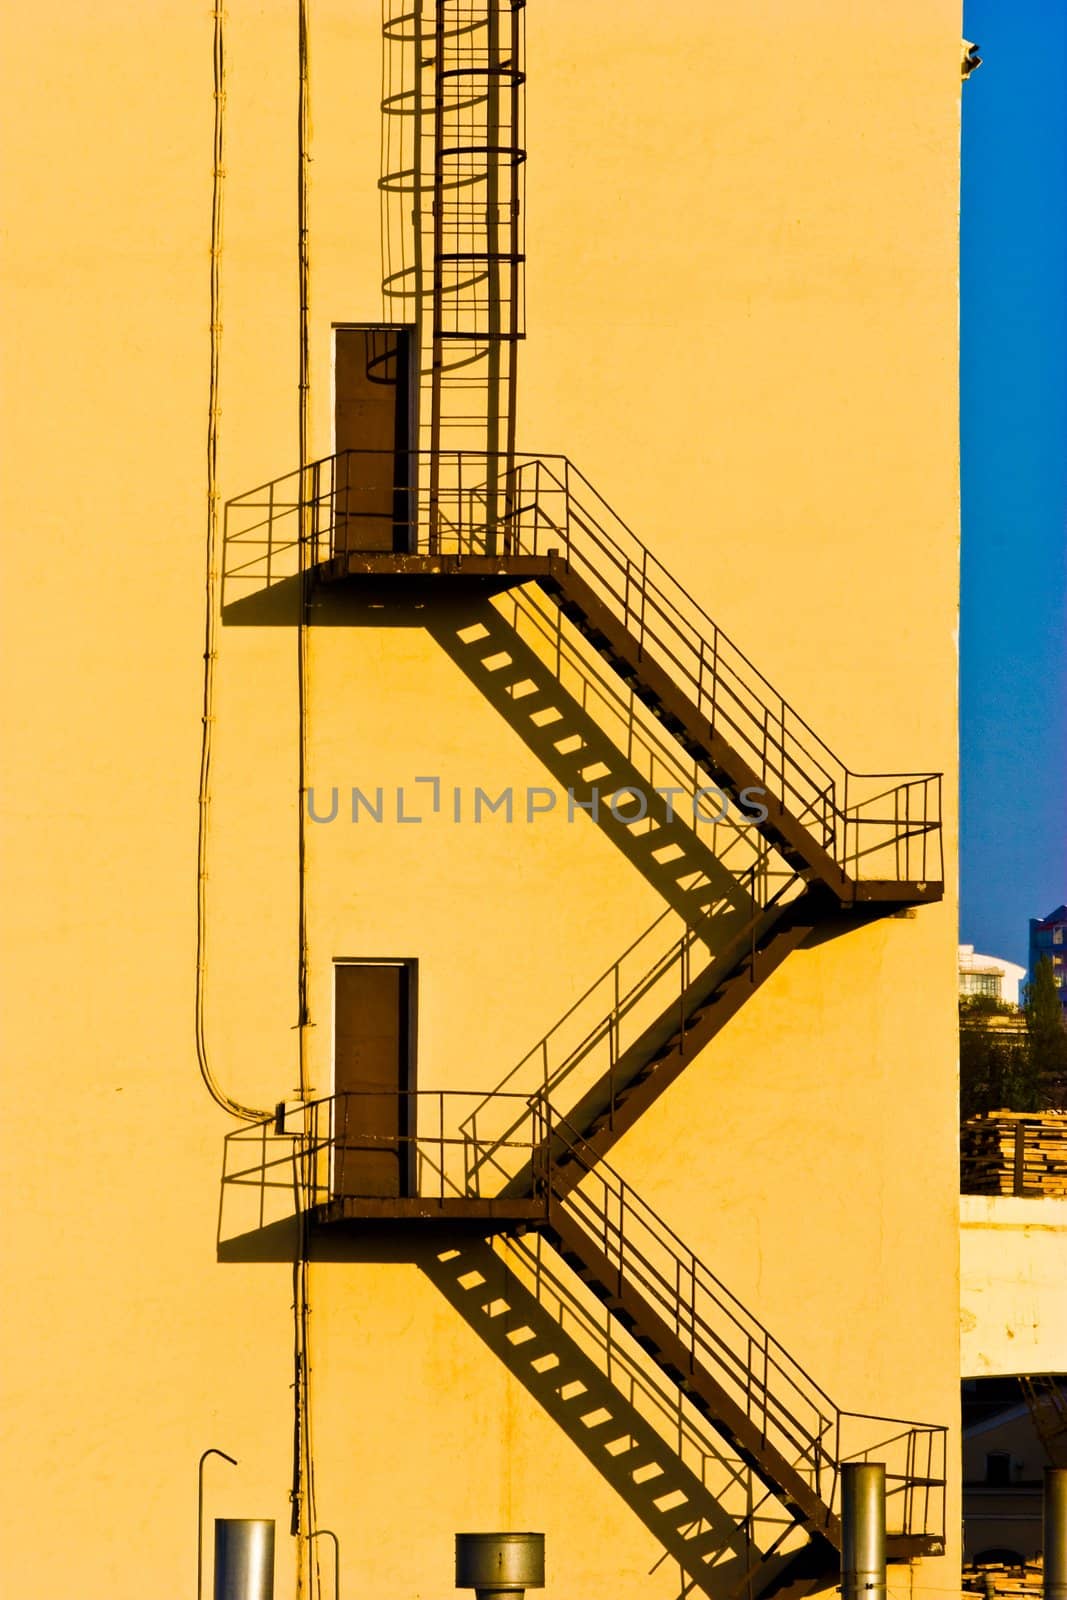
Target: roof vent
point(500, 1566)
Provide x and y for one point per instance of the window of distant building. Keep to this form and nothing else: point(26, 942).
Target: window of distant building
point(1057, 935)
point(998, 1467)
point(983, 983)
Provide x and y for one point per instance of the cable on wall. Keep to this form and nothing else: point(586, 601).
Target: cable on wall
point(303, 1514)
point(218, 173)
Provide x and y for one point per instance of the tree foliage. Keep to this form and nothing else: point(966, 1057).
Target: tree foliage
point(1046, 1035)
point(996, 1068)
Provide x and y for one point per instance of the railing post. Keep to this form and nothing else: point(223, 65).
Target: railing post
point(459, 508)
point(766, 1382)
point(714, 675)
point(313, 520)
point(1054, 1541)
point(270, 529)
point(566, 510)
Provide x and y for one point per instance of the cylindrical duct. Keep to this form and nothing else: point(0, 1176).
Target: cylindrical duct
point(863, 1530)
point(244, 1559)
point(1054, 1540)
point(500, 1565)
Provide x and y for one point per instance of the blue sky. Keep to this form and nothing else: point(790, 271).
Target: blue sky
point(1013, 369)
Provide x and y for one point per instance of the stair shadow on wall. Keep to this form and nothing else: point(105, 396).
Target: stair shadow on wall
point(594, 1390)
point(709, 1542)
point(586, 762)
point(687, 872)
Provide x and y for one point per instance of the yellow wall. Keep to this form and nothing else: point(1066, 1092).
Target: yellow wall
point(1013, 1285)
point(741, 227)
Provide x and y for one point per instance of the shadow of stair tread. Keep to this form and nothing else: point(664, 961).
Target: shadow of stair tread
point(654, 687)
point(718, 752)
point(647, 1067)
point(702, 1389)
point(647, 1450)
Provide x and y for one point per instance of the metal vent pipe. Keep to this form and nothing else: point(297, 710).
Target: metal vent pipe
point(863, 1530)
point(1054, 1539)
point(244, 1559)
point(500, 1566)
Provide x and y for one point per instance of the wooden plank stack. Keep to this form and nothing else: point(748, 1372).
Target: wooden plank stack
point(1003, 1583)
point(1015, 1152)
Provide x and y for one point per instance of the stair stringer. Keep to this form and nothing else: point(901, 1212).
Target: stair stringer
point(700, 1387)
point(595, 1124)
point(653, 685)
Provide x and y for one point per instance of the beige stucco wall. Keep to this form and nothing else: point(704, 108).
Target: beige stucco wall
point(742, 312)
point(1013, 1285)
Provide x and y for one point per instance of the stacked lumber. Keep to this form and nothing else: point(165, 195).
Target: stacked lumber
point(1003, 1583)
point(1015, 1152)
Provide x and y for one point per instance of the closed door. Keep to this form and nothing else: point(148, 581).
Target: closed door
point(374, 1120)
point(373, 399)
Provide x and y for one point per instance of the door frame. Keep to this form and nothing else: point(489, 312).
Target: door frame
point(408, 1120)
point(410, 489)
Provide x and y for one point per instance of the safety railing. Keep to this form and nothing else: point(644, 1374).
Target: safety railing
point(645, 998)
point(465, 503)
point(749, 1515)
point(369, 1144)
point(429, 1144)
point(719, 1335)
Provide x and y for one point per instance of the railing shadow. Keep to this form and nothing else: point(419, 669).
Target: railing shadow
point(701, 1504)
point(568, 731)
point(608, 756)
point(542, 507)
point(319, 1162)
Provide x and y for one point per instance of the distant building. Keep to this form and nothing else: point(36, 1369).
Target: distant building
point(989, 975)
point(1011, 1432)
point(1048, 937)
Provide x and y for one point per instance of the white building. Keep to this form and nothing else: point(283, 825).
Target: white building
point(989, 975)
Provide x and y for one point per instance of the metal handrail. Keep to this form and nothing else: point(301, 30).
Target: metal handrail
point(664, 978)
point(793, 1410)
point(537, 505)
point(301, 1138)
point(301, 1150)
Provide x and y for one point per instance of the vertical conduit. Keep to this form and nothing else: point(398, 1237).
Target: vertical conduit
point(302, 1495)
point(211, 585)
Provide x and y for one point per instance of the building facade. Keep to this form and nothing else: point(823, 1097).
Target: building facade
point(487, 1027)
point(1048, 937)
point(989, 977)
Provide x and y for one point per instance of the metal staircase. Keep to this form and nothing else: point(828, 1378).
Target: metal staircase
point(723, 1362)
point(820, 845)
point(825, 845)
point(868, 838)
point(1046, 1399)
point(634, 1032)
point(776, 1418)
